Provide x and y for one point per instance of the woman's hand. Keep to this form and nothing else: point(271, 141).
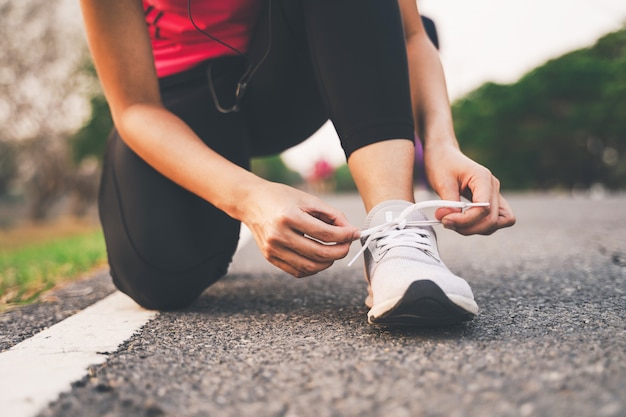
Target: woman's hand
point(295, 231)
point(452, 175)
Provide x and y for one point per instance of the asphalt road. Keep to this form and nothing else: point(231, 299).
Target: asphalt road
point(549, 340)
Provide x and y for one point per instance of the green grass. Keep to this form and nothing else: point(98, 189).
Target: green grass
point(26, 272)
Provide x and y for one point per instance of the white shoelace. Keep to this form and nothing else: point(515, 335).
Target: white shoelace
point(394, 233)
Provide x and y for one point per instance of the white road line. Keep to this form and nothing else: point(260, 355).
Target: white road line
point(34, 372)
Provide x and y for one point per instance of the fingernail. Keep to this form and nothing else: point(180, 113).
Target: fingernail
point(448, 225)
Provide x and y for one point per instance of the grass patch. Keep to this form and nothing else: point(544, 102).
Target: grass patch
point(30, 269)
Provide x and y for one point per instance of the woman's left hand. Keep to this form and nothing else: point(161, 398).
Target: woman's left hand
point(452, 175)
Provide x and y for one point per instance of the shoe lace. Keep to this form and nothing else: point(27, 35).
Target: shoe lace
point(401, 232)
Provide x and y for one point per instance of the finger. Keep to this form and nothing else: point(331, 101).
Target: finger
point(324, 227)
point(328, 215)
point(283, 243)
point(317, 251)
point(448, 192)
point(277, 249)
point(478, 219)
point(475, 222)
point(444, 211)
point(297, 266)
point(506, 217)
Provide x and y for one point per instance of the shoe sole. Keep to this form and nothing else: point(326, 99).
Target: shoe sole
point(424, 304)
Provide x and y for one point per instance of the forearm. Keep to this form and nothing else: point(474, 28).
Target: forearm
point(118, 40)
point(172, 148)
point(429, 96)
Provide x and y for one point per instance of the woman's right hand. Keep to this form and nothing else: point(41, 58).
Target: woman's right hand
point(297, 232)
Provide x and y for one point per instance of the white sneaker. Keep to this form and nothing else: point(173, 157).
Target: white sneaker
point(409, 285)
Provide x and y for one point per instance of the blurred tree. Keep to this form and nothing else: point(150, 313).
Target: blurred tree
point(48, 172)
point(273, 168)
point(343, 179)
point(90, 139)
point(8, 166)
point(41, 96)
point(561, 125)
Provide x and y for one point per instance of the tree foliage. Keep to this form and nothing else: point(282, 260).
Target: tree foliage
point(41, 100)
point(273, 168)
point(343, 179)
point(561, 125)
point(90, 140)
point(8, 166)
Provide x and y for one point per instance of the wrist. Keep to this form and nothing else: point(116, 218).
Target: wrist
point(243, 196)
point(441, 143)
point(439, 134)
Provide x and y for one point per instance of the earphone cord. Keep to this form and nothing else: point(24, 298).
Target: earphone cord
point(243, 82)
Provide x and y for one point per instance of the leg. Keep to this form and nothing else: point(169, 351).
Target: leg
point(308, 76)
point(359, 55)
point(358, 52)
point(283, 105)
point(383, 171)
point(165, 244)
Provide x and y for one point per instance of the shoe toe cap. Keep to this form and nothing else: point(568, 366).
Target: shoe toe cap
point(391, 281)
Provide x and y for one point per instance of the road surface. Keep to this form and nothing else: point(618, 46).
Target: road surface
point(549, 340)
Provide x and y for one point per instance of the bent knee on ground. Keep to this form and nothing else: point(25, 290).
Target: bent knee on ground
point(167, 290)
point(163, 297)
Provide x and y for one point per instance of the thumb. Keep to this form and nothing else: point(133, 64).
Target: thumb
point(448, 191)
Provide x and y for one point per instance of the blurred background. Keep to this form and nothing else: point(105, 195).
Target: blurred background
point(538, 90)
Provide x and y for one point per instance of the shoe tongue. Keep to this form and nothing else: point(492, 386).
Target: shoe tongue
point(389, 211)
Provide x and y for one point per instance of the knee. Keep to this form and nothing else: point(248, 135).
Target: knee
point(166, 291)
point(163, 299)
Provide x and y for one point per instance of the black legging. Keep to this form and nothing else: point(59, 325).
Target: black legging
point(338, 59)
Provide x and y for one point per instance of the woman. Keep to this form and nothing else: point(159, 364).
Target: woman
point(190, 111)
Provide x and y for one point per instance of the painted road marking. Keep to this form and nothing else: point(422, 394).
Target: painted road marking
point(34, 372)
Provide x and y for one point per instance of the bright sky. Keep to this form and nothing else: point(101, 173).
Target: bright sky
point(491, 40)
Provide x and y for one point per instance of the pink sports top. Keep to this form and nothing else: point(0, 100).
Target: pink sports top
point(178, 46)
